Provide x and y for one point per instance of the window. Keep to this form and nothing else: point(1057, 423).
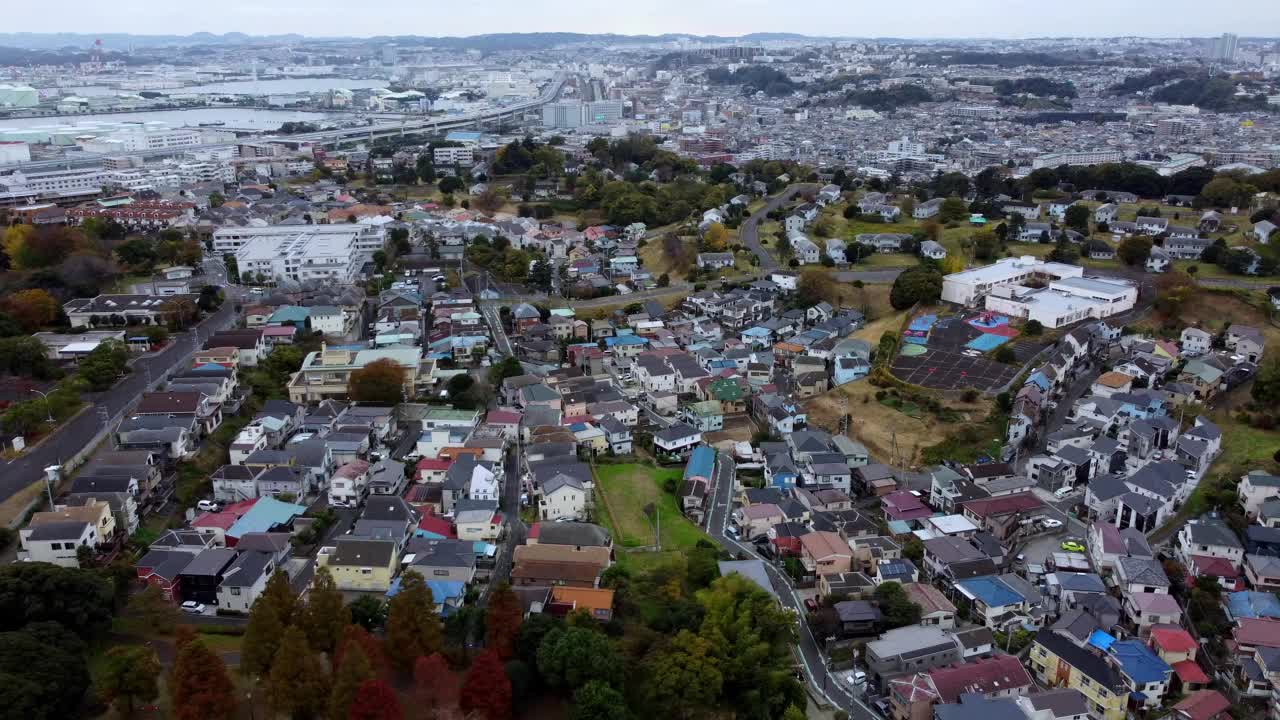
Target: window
point(366, 571)
point(442, 573)
point(235, 591)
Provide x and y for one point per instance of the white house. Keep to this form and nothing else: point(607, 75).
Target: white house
point(805, 250)
point(57, 542)
point(564, 496)
point(1195, 340)
point(347, 486)
point(1158, 260)
point(932, 250)
point(927, 209)
point(1262, 231)
point(328, 320)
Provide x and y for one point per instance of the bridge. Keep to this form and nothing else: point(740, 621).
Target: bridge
point(428, 125)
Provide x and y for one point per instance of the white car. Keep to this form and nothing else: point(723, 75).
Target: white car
point(192, 607)
point(208, 506)
point(856, 678)
point(1051, 523)
point(1063, 492)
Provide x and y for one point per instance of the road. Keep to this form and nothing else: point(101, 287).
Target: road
point(515, 527)
point(749, 230)
point(70, 438)
point(822, 681)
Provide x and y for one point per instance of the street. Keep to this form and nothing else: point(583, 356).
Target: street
point(820, 678)
point(749, 231)
point(70, 438)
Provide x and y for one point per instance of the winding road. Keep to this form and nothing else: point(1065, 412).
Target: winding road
point(749, 230)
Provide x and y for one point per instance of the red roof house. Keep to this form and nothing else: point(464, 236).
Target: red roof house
point(1203, 705)
point(983, 676)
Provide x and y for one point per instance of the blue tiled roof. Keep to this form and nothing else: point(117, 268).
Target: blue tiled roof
point(991, 591)
point(266, 513)
point(702, 462)
point(1139, 663)
point(1253, 604)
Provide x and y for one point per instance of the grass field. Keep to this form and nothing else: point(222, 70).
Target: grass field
point(626, 490)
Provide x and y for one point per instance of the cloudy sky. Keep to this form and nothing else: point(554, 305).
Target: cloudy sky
point(850, 18)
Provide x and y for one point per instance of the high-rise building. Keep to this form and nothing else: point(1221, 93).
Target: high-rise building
point(563, 114)
point(1224, 48)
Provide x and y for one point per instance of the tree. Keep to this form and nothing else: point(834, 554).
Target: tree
point(502, 621)
point(153, 610)
point(794, 712)
point(450, 184)
point(355, 636)
point(43, 670)
point(435, 689)
point(487, 689)
point(571, 657)
point(598, 701)
point(79, 600)
point(368, 612)
point(297, 681)
point(1134, 249)
point(199, 686)
point(1033, 328)
point(1173, 290)
point(137, 253)
point(380, 382)
point(896, 607)
point(262, 638)
point(919, 284)
point(1064, 252)
point(32, 309)
point(375, 700)
point(684, 676)
point(953, 208)
point(354, 671)
point(131, 673)
point(325, 616)
point(216, 199)
point(413, 627)
point(1266, 384)
point(716, 238)
point(1077, 218)
point(1227, 191)
point(913, 550)
point(1006, 355)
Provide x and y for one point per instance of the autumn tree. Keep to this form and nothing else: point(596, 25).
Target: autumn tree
point(502, 621)
point(199, 686)
point(379, 382)
point(1173, 290)
point(813, 287)
point(347, 679)
point(325, 616)
point(296, 684)
point(435, 690)
point(716, 238)
point(375, 700)
point(130, 674)
point(413, 627)
point(488, 201)
point(356, 636)
point(487, 689)
point(32, 309)
point(271, 614)
point(684, 676)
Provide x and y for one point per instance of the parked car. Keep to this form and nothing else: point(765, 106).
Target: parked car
point(192, 607)
point(1051, 523)
point(1062, 492)
point(1072, 546)
point(855, 678)
point(810, 604)
point(208, 506)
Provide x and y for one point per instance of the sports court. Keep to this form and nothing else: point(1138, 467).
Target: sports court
point(939, 352)
point(952, 370)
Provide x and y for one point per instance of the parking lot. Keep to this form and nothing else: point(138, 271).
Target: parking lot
point(937, 354)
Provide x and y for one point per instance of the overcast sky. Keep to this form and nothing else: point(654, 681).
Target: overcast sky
point(850, 18)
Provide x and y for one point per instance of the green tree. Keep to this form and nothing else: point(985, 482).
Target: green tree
point(598, 701)
point(920, 284)
point(347, 677)
point(368, 612)
point(263, 635)
point(413, 627)
point(130, 674)
point(380, 382)
point(896, 608)
point(913, 550)
point(1077, 218)
point(1006, 355)
point(138, 253)
point(1266, 384)
point(216, 199)
point(78, 600)
point(953, 208)
point(43, 671)
point(1134, 249)
point(571, 657)
point(325, 616)
point(684, 677)
point(296, 684)
point(1033, 328)
point(199, 686)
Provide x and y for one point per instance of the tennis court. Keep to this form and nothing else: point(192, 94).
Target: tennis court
point(986, 342)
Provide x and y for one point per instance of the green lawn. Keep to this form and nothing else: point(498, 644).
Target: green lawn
point(883, 260)
point(626, 490)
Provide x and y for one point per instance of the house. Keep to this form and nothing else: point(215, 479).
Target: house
point(59, 541)
point(825, 553)
point(932, 250)
point(1263, 230)
point(911, 648)
point(1255, 488)
point(1246, 341)
point(360, 565)
point(564, 495)
point(856, 617)
point(244, 580)
point(1058, 661)
point(1158, 261)
point(1209, 536)
point(1202, 705)
point(935, 608)
point(927, 209)
point(597, 602)
point(1195, 341)
point(200, 579)
point(446, 559)
point(998, 599)
point(677, 440)
point(992, 677)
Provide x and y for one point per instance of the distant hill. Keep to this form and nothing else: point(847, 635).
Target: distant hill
point(488, 42)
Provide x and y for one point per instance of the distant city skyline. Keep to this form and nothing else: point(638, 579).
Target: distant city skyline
point(997, 19)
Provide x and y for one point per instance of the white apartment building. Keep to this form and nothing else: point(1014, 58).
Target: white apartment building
point(56, 182)
point(464, 156)
point(13, 152)
point(1070, 297)
point(310, 252)
point(365, 238)
point(1086, 157)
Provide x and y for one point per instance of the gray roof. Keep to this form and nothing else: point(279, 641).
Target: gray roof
point(578, 534)
point(1144, 571)
point(388, 508)
point(210, 562)
point(247, 569)
point(973, 706)
point(441, 553)
point(58, 530)
point(1211, 530)
point(359, 552)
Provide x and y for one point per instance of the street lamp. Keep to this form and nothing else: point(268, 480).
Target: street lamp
point(48, 409)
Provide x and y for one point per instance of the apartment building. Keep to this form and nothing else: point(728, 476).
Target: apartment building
point(324, 374)
point(333, 253)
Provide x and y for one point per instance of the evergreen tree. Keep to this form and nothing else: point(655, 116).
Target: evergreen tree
point(325, 616)
point(502, 621)
point(487, 690)
point(199, 686)
point(413, 627)
point(347, 678)
point(282, 597)
point(297, 680)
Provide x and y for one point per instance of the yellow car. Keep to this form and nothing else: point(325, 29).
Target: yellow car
point(1072, 546)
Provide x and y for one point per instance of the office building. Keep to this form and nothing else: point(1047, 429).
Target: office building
point(1087, 157)
point(309, 252)
point(1224, 48)
point(364, 238)
point(1026, 288)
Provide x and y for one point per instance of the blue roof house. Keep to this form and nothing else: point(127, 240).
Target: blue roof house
point(1145, 674)
point(267, 514)
point(757, 337)
point(1253, 604)
point(702, 463)
point(993, 599)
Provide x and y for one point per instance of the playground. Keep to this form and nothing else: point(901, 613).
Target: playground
point(948, 353)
